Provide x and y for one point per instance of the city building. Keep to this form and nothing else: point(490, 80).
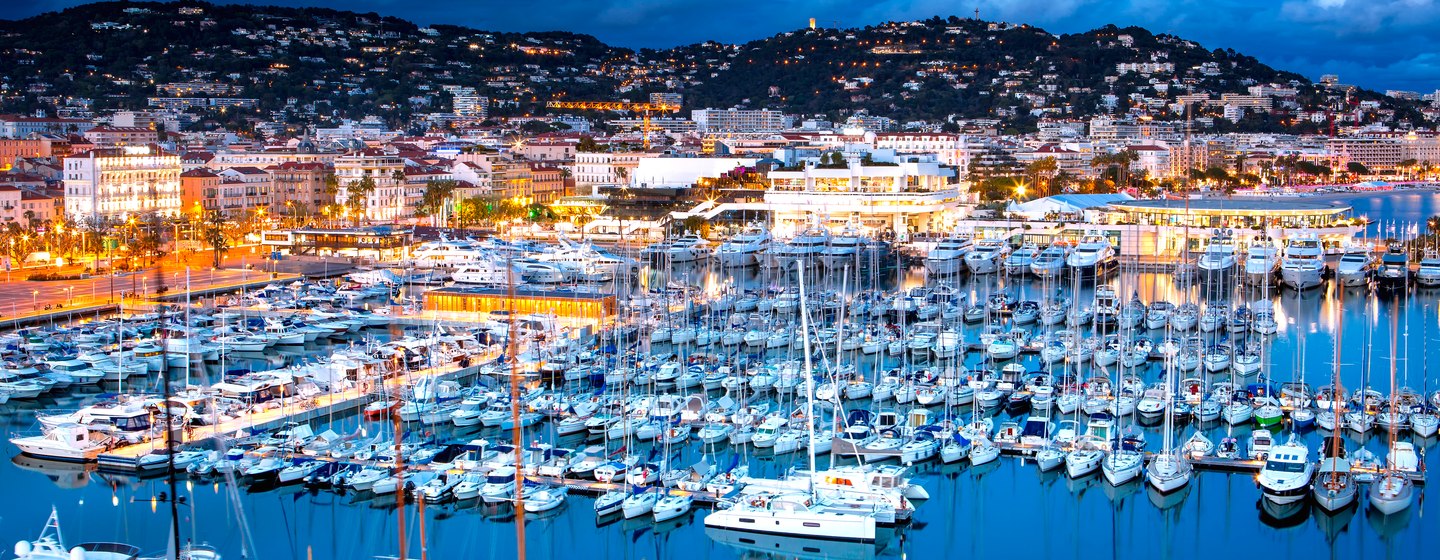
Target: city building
point(300, 187)
point(740, 120)
point(386, 170)
point(115, 183)
point(199, 191)
point(889, 193)
point(16, 126)
point(115, 136)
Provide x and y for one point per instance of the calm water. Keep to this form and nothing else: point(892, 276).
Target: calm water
point(972, 512)
point(1407, 207)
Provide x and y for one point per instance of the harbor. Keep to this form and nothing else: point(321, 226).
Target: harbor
point(671, 374)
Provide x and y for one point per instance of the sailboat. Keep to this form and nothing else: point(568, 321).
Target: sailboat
point(796, 513)
point(1169, 470)
point(1393, 492)
point(1335, 486)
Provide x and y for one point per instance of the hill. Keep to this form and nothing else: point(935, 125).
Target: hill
point(309, 65)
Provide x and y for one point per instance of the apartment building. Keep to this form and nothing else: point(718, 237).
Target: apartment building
point(115, 183)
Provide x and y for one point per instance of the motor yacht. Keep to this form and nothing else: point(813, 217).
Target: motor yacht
point(1050, 262)
point(1285, 478)
point(844, 250)
point(1394, 269)
point(1302, 265)
point(1262, 262)
point(987, 255)
point(806, 247)
point(948, 256)
point(1019, 261)
point(1218, 261)
point(745, 248)
point(1428, 275)
point(1356, 266)
point(1093, 256)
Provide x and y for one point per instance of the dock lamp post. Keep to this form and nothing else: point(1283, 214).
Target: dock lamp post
point(35, 299)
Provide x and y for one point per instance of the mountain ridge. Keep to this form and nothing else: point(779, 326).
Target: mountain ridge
point(335, 63)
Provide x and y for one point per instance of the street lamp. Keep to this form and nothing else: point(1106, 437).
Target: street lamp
point(34, 299)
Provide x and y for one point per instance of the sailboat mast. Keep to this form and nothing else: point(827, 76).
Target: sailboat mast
point(809, 376)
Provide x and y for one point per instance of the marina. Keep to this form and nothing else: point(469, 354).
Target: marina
point(675, 387)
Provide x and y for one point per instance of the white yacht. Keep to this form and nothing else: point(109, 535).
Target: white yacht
point(447, 252)
point(1303, 265)
point(1050, 263)
point(987, 255)
point(1019, 261)
point(744, 249)
point(1428, 275)
point(585, 261)
point(1285, 478)
point(1356, 265)
point(688, 248)
point(1092, 256)
point(844, 250)
point(485, 273)
point(1262, 262)
point(948, 256)
point(1218, 260)
point(67, 442)
point(792, 515)
point(805, 247)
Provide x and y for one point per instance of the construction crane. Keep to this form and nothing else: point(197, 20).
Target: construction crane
point(645, 109)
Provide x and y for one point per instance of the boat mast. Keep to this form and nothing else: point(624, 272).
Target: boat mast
point(809, 377)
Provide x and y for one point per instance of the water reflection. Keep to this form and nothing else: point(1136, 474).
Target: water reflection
point(973, 511)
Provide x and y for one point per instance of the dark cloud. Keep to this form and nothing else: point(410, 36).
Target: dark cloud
point(1381, 44)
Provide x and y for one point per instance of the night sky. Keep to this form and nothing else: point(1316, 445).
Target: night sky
point(1378, 44)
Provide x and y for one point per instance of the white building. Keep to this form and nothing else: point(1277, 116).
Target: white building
point(740, 120)
point(607, 168)
point(119, 182)
point(683, 171)
point(901, 193)
point(951, 149)
point(387, 201)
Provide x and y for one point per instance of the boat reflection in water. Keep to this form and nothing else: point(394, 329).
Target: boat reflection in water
point(1282, 516)
point(1167, 500)
point(793, 547)
point(64, 474)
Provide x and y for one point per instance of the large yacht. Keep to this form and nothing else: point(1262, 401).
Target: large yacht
point(1218, 260)
point(447, 252)
point(586, 262)
point(805, 247)
point(1093, 256)
point(1356, 266)
point(1050, 263)
point(1019, 261)
point(948, 256)
point(844, 249)
point(1303, 265)
point(1428, 274)
point(987, 255)
point(1262, 262)
point(688, 248)
point(744, 249)
point(487, 273)
point(1394, 269)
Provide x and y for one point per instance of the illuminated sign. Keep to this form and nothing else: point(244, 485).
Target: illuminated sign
point(137, 150)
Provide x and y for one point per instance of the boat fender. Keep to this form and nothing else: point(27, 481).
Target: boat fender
point(22, 549)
